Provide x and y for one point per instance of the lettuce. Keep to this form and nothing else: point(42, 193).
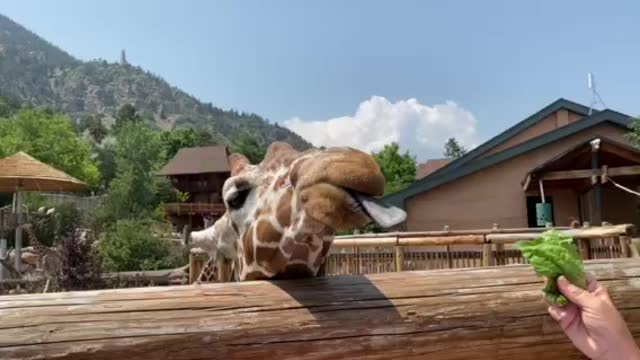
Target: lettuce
point(553, 255)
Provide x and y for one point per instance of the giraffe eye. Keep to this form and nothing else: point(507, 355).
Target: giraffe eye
point(238, 198)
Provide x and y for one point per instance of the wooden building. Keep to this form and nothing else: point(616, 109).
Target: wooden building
point(559, 165)
point(200, 172)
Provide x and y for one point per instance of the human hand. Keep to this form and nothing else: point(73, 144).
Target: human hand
point(593, 323)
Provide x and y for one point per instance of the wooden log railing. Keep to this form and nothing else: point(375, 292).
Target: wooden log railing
point(483, 313)
point(375, 253)
point(491, 245)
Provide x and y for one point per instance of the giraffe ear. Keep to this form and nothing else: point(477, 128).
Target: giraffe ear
point(238, 163)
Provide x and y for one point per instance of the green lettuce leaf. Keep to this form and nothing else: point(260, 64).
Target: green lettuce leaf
point(552, 255)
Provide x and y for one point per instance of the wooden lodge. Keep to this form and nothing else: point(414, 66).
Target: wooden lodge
point(200, 172)
point(565, 163)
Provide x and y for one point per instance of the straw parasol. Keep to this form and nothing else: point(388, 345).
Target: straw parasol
point(22, 173)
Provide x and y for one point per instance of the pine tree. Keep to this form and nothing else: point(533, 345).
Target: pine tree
point(453, 150)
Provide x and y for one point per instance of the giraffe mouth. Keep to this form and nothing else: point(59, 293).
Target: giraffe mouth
point(378, 211)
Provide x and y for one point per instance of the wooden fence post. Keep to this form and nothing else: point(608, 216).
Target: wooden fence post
point(487, 254)
point(584, 244)
point(224, 273)
point(197, 259)
point(500, 258)
point(399, 257)
point(447, 228)
point(633, 248)
point(625, 244)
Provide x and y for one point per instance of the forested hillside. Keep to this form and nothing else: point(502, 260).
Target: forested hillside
point(37, 73)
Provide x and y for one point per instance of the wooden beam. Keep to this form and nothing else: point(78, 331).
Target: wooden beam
point(525, 187)
point(410, 234)
point(623, 171)
point(585, 233)
point(500, 236)
point(566, 174)
point(483, 313)
point(579, 174)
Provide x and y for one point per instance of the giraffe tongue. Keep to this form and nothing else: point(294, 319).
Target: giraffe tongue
point(383, 214)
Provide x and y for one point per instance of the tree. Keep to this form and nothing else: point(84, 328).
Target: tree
point(93, 124)
point(50, 138)
point(8, 106)
point(126, 114)
point(452, 149)
point(172, 141)
point(633, 135)
point(249, 147)
point(97, 130)
point(132, 193)
point(129, 246)
point(399, 170)
point(106, 157)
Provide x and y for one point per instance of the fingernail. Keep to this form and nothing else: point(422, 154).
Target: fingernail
point(555, 312)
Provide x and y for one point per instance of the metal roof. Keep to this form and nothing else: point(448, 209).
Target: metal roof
point(430, 166)
point(198, 160)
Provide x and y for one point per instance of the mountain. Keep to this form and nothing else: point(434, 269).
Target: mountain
point(39, 74)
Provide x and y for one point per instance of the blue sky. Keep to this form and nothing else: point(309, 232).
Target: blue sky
point(498, 61)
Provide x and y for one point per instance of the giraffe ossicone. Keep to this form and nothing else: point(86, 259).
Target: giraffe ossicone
point(283, 213)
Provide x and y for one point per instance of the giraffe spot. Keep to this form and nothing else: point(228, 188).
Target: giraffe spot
point(265, 254)
point(271, 259)
point(300, 252)
point(266, 233)
point(247, 242)
point(283, 212)
point(280, 182)
point(288, 245)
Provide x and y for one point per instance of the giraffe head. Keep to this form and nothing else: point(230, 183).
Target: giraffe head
point(286, 210)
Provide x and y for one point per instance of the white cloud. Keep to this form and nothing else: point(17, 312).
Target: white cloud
point(419, 128)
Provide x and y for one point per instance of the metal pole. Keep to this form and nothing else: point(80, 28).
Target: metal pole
point(3, 253)
point(3, 244)
point(18, 259)
point(597, 187)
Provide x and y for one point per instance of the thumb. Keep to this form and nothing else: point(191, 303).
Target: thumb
point(576, 295)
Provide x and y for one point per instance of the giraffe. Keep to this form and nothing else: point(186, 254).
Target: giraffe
point(285, 211)
point(219, 242)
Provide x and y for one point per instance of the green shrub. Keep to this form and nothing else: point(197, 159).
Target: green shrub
point(67, 218)
point(129, 245)
point(52, 227)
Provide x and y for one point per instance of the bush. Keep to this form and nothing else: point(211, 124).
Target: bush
point(67, 219)
point(129, 245)
point(80, 268)
point(53, 222)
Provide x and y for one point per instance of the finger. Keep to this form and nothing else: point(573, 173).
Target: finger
point(556, 313)
point(592, 283)
point(568, 318)
point(565, 316)
point(575, 294)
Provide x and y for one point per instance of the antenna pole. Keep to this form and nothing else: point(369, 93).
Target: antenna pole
point(595, 96)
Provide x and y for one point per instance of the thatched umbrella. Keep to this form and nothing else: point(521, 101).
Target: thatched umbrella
point(22, 173)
